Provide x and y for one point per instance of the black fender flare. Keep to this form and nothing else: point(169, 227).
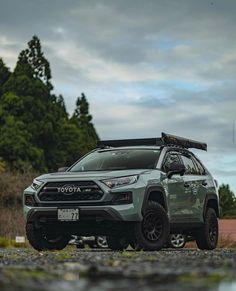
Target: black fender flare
point(211, 196)
point(154, 188)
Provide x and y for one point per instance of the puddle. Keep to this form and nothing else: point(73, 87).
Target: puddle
point(71, 270)
point(123, 285)
point(229, 286)
point(85, 284)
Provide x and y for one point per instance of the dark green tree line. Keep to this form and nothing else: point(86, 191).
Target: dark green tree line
point(35, 128)
point(227, 201)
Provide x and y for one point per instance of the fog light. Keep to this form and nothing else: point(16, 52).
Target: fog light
point(29, 200)
point(122, 198)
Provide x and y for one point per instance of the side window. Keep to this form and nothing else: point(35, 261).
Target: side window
point(189, 165)
point(201, 170)
point(170, 158)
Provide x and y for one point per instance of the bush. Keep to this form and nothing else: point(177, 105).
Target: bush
point(12, 185)
point(12, 222)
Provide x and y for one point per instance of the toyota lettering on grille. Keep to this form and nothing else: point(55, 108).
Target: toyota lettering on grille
point(69, 189)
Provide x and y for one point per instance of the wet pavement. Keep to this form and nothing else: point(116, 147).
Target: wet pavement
point(70, 269)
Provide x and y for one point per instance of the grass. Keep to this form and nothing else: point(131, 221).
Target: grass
point(11, 243)
point(129, 254)
point(12, 185)
point(64, 255)
point(4, 242)
point(226, 242)
point(12, 222)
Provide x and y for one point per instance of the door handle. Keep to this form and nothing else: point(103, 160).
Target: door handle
point(186, 184)
point(204, 183)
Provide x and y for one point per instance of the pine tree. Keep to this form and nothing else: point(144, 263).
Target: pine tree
point(82, 118)
point(4, 74)
point(227, 199)
point(34, 124)
point(32, 63)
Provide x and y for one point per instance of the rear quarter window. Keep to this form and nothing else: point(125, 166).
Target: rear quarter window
point(191, 168)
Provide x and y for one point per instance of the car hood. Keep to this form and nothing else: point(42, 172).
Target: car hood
point(91, 175)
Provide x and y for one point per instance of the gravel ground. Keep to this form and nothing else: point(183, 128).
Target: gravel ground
point(70, 269)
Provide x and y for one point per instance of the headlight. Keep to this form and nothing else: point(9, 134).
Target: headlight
point(118, 182)
point(36, 184)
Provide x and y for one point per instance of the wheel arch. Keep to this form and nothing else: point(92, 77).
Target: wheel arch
point(155, 193)
point(212, 201)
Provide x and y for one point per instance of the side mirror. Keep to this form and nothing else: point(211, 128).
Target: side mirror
point(62, 169)
point(176, 169)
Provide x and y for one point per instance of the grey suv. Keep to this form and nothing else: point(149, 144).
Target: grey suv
point(134, 192)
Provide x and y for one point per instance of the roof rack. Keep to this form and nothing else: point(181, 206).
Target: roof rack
point(130, 142)
point(164, 140)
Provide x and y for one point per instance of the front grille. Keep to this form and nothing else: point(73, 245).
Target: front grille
point(70, 191)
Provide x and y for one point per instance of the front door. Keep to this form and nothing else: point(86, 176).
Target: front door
point(198, 181)
point(194, 188)
point(176, 194)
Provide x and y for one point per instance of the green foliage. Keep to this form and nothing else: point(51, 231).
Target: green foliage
point(11, 243)
point(70, 145)
point(15, 146)
point(32, 63)
point(82, 119)
point(4, 74)
point(227, 201)
point(36, 131)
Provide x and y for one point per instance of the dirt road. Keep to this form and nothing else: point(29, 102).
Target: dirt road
point(71, 269)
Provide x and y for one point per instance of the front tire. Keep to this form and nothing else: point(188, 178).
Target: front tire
point(41, 241)
point(207, 236)
point(153, 231)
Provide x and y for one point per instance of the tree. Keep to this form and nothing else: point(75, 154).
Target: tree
point(4, 74)
point(82, 118)
point(29, 85)
point(10, 104)
point(31, 62)
point(69, 147)
point(35, 128)
point(16, 148)
point(227, 200)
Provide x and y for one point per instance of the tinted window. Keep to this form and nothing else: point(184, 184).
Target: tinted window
point(118, 160)
point(171, 158)
point(189, 165)
point(201, 170)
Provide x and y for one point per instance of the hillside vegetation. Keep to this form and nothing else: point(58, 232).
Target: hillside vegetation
point(36, 131)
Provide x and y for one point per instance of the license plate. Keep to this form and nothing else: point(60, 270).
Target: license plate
point(68, 214)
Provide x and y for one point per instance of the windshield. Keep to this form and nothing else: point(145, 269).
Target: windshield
point(118, 160)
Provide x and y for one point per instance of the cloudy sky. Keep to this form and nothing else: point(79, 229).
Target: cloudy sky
point(146, 66)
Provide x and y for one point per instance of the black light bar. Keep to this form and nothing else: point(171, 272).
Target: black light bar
point(166, 139)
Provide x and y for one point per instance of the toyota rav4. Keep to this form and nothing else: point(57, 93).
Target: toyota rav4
point(133, 192)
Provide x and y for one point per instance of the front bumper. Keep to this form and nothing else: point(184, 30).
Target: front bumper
point(93, 221)
point(86, 213)
point(125, 212)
